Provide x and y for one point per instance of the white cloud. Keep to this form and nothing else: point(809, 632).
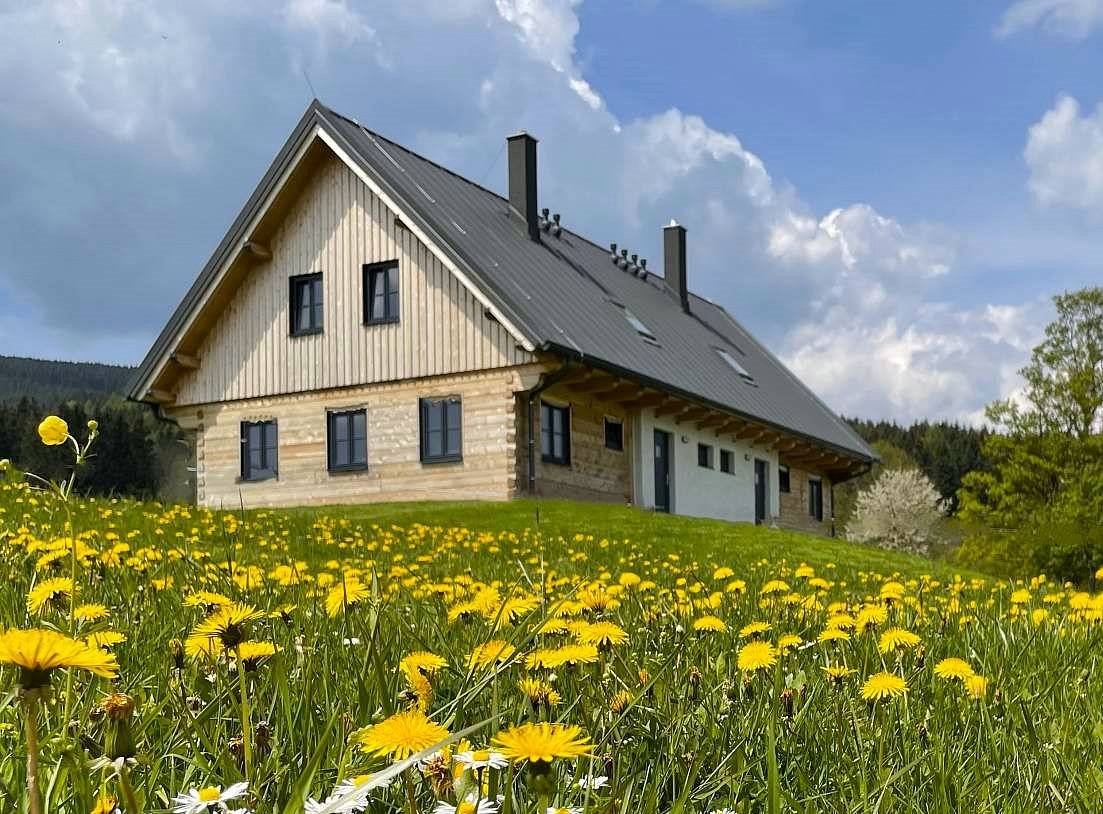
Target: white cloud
point(331, 21)
point(1064, 151)
point(1074, 19)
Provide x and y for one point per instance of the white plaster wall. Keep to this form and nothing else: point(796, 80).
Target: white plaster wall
point(696, 491)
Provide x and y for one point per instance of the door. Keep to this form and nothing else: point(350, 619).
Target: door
point(761, 470)
point(662, 471)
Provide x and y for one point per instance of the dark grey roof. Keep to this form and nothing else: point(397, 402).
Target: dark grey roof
point(566, 295)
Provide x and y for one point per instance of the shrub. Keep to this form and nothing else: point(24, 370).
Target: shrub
point(898, 511)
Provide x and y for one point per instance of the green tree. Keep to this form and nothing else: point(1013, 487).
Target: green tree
point(1044, 486)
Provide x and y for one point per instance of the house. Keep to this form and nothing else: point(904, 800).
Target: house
point(376, 327)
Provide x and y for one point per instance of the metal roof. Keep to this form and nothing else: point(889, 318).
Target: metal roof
point(564, 294)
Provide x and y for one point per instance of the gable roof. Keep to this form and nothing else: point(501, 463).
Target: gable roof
point(560, 294)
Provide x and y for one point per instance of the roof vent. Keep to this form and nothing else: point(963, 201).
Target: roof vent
point(643, 268)
point(622, 263)
point(556, 229)
point(544, 222)
point(634, 267)
point(613, 252)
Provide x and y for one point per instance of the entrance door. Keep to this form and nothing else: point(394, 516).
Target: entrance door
point(761, 469)
point(662, 471)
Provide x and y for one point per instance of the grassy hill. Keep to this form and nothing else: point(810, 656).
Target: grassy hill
point(51, 382)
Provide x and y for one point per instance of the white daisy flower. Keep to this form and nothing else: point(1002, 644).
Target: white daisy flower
point(467, 806)
point(593, 783)
point(564, 810)
point(482, 758)
point(206, 800)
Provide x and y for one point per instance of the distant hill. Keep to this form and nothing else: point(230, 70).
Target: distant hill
point(53, 382)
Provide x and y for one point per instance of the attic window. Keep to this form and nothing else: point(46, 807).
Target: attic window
point(733, 363)
point(636, 323)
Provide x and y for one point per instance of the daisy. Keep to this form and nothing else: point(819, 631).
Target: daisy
point(592, 783)
point(212, 798)
point(470, 805)
point(482, 758)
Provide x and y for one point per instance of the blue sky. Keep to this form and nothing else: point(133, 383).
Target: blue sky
point(886, 193)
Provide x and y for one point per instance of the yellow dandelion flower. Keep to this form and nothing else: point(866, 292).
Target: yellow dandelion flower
point(838, 673)
point(47, 591)
point(229, 624)
point(91, 613)
point(754, 629)
point(833, 634)
point(494, 651)
point(421, 661)
point(105, 638)
point(756, 656)
point(38, 652)
point(401, 735)
point(953, 668)
point(542, 742)
point(709, 624)
point(602, 634)
point(883, 685)
point(976, 686)
point(345, 594)
point(897, 638)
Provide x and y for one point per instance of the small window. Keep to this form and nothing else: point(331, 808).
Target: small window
point(258, 450)
point(441, 430)
point(704, 456)
point(783, 479)
point(381, 292)
point(637, 323)
point(815, 498)
point(348, 440)
point(555, 434)
point(727, 461)
point(734, 364)
point(306, 304)
point(614, 434)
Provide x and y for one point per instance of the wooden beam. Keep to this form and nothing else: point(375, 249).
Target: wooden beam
point(714, 420)
point(258, 250)
point(619, 393)
point(750, 433)
point(732, 426)
point(646, 400)
point(673, 408)
point(185, 360)
point(593, 384)
point(161, 396)
point(692, 414)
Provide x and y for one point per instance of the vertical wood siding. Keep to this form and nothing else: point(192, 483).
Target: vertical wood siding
point(335, 227)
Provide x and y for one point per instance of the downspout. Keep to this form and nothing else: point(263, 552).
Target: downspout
point(546, 381)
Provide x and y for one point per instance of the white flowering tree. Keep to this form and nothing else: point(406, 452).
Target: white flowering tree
point(898, 511)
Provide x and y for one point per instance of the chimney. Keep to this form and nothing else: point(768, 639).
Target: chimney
point(674, 261)
point(522, 182)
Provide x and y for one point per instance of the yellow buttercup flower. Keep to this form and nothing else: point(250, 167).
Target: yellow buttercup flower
point(39, 652)
point(53, 431)
point(402, 735)
point(543, 742)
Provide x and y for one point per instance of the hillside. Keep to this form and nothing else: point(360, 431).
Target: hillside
point(51, 382)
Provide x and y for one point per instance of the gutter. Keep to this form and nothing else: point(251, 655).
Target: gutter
point(547, 380)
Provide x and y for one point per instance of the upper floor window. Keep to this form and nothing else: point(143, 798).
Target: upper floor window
point(306, 304)
point(441, 430)
point(381, 292)
point(258, 450)
point(347, 440)
point(815, 498)
point(735, 365)
point(783, 478)
point(614, 434)
point(727, 461)
point(704, 456)
point(555, 433)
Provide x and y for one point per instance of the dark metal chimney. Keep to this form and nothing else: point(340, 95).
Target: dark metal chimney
point(674, 262)
point(522, 182)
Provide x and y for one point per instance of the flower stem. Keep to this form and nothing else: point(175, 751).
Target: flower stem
point(132, 806)
point(34, 803)
point(411, 797)
point(246, 725)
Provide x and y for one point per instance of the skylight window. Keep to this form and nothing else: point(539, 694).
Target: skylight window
point(636, 323)
point(733, 363)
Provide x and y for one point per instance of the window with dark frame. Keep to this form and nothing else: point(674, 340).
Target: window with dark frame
point(259, 445)
point(704, 456)
point(614, 434)
point(727, 461)
point(347, 440)
point(307, 315)
point(381, 301)
point(555, 434)
point(441, 429)
point(815, 499)
point(783, 478)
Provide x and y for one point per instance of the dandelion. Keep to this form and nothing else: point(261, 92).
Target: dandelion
point(39, 652)
point(563, 810)
point(602, 634)
point(756, 656)
point(253, 654)
point(228, 624)
point(349, 592)
point(897, 638)
point(494, 651)
point(106, 804)
point(953, 668)
point(422, 662)
point(47, 592)
point(833, 634)
point(976, 686)
point(91, 613)
point(402, 735)
point(207, 800)
point(469, 805)
point(709, 624)
point(754, 629)
point(542, 742)
point(883, 685)
point(837, 673)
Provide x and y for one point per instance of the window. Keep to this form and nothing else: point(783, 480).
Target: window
point(306, 304)
point(637, 323)
point(727, 461)
point(441, 430)
point(734, 364)
point(258, 450)
point(381, 292)
point(555, 434)
point(614, 434)
point(815, 498)
point(783, 479)
point(348, 440)
point(704, 456)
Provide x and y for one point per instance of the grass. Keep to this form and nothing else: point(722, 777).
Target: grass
point(632, 626)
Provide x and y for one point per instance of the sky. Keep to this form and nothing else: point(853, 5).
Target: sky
point(887, 194)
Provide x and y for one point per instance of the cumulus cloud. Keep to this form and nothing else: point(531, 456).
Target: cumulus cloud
point(1064, 151)
point(1074, 19)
